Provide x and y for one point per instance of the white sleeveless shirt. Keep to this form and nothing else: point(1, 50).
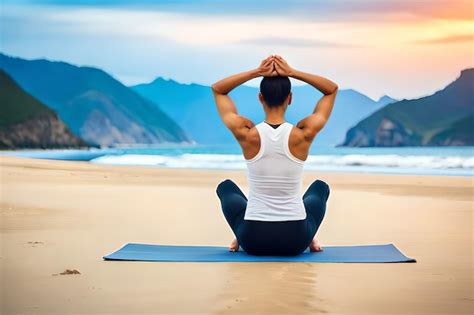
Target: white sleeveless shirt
point(275, 178)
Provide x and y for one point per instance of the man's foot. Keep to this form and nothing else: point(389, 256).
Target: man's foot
point(315, 247)
point(234, 246)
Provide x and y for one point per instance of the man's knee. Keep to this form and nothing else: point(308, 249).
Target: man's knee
point(223, 186)
point(322, 184)
point(321, 187)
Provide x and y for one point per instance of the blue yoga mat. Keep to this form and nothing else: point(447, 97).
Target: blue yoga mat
point(331, 254)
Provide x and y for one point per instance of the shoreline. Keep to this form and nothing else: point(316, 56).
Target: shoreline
point(17, 160)
point(59, 215)
point(158, 161)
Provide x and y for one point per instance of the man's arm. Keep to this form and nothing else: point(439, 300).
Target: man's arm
point(313, 123)
point(237, 124)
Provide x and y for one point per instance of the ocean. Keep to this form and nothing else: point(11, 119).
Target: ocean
point(406, 160)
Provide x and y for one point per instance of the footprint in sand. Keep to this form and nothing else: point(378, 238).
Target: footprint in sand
point(33, 244)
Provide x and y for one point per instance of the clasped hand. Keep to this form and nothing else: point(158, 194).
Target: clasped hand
point(273, 66)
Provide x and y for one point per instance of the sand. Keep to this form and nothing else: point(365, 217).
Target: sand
point(58, 216)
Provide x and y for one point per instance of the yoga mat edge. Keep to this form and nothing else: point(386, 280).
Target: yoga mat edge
point(385, 253)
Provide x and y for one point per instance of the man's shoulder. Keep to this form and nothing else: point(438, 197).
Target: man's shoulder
point(296, 135)
point(242, 128)
point(252, 135)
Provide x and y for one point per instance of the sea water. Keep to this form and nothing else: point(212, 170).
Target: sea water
point(404, 160)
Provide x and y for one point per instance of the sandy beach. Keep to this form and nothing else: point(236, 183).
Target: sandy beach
point(58, 215)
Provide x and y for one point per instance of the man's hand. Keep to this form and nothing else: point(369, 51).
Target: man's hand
point(282, 67)
point(267, 67)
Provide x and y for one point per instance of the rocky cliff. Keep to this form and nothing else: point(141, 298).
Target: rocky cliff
point(442, 119)
point(45, 132)
point(27, 123)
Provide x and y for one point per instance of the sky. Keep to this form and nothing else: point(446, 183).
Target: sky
point(404, 49)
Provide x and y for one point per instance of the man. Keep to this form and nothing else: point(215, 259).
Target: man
point(276, 219)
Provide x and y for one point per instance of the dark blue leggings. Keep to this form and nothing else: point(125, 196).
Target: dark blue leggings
point(268, 237)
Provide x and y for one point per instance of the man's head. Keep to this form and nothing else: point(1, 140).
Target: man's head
point(275, 91)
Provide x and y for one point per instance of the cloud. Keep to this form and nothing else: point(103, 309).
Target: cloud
point(294, 42)
point(193, 41)
point(183, 28)
point(322, 10)
point(447, 39)
point(432, 9)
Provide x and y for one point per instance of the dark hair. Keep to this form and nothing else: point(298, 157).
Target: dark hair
point(275, 90)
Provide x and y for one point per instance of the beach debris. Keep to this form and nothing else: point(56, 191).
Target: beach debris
point(70, 272)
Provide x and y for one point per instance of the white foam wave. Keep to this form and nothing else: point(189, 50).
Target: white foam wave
point(393, 160)
point(314, 162)
point(210, 161)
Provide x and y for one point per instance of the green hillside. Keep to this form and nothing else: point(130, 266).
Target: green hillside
point(418, 121)
point(460, 132)
point(25, 122)
point(17, 105)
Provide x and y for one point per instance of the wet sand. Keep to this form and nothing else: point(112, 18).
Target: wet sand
point(58, 216)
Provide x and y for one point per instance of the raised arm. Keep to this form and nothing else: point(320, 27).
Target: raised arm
point(236, 123)
point(313, 123)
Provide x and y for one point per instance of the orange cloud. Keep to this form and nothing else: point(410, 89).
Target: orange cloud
point(447, 39)
point(452, 9)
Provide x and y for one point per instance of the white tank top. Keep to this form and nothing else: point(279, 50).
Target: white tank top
point(275, 178)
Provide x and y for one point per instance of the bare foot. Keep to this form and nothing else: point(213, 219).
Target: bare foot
point(315, 247)
point(234, 246)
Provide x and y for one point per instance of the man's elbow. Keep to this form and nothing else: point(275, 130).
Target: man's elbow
point(215, 89)
point(332, 90)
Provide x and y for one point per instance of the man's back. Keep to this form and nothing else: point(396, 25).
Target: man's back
point(298, 147)
point(275, 177)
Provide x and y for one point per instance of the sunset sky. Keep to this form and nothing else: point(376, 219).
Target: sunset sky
point(404, 49)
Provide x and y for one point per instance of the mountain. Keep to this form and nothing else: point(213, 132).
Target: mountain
point(98, 108)
point(460, 133)
point(443, 118)
point(192, 107)
point(27, 123)
point(350, 107)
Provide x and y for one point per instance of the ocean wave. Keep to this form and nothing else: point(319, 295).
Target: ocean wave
point(314, 162)
point(393, 160)
point(210, 161)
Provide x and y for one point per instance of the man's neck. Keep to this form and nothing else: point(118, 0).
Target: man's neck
point(275, 120)
point(275, 117)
